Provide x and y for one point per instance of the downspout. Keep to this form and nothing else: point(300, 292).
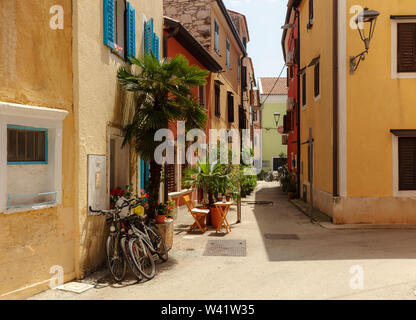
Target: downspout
point(165, 55)
point(298, 162)
point(335, 99)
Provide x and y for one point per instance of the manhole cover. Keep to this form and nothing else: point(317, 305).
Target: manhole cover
point(279, 236)
point(226, 248)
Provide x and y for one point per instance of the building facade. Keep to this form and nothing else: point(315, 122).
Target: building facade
point(210, 23)
point(61, 132)
point(273, 95)
point(357, 122)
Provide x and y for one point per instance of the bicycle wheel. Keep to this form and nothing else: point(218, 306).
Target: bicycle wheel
point(115, 260)
point(142, 257)
point(158, 243)
point(125, 246)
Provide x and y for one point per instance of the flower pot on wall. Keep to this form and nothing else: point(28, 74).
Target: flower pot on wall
point(160, 219)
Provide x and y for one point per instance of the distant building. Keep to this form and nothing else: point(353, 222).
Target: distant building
point(273, 99)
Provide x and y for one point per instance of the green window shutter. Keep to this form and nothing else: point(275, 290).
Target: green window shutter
point(131, 31)
point(109, 23)
point(148, 36)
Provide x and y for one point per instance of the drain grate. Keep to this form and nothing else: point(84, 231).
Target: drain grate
point(280, 236)
point(258, 202)
point(226, 248)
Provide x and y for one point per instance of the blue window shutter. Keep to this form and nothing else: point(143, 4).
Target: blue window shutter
point(109, 23)
point(131, 31)
point(148, 36)
point(156, 46)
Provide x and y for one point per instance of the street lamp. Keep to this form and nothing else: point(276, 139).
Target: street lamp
point(277, 118)
point(364, 18)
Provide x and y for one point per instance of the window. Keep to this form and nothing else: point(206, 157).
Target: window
point(407, 163)
point(316, 80)
point(27, 145)
point(228, 56)
point(310, 23)
point(171, 177)
point(120, 26)
point(230, 103)
point(255, 116)
point(245, 42)
point(217, 101)
point(201, 95)
point(216, 36)
point(406, 47)
point(244, 78)
point(304, 89)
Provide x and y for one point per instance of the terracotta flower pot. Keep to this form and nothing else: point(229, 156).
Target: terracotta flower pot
point(215, 217)
point(160, 219)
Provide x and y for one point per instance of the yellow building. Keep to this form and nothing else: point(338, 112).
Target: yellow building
point(358, 127)
point(60, 132)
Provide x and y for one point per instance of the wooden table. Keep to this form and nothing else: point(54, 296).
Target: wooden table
point(223, 208)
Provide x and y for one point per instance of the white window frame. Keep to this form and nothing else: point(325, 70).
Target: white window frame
point(216, 37)
point(394, 73)
point(31, 116)
point(228, 53)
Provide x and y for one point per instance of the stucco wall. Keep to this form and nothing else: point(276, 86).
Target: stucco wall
point(98, 97)
point(36, 69)
point(317, 115)
point(272, 140)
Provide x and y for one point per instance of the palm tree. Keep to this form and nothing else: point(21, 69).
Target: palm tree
point(162, 93)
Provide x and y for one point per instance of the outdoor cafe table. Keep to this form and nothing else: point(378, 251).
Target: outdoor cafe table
point(223, 208)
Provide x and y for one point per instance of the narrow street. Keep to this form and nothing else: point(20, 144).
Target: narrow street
point(315, 266)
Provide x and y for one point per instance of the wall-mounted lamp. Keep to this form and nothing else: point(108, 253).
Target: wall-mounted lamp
point(288, 26)
point(277, 118)
point(365, 20)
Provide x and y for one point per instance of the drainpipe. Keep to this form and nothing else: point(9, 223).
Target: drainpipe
point(165, 167)
point(242, 101)
point(297, 16)
point(335, 99)
point(165, 41)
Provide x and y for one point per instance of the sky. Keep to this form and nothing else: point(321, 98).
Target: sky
point(264, 19)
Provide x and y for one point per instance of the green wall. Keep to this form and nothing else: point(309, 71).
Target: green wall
point(272, 140)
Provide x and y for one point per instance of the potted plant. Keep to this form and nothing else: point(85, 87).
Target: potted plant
point(212, 180)
point(163, 210)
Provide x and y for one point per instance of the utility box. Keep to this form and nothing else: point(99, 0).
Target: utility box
point(97, 183)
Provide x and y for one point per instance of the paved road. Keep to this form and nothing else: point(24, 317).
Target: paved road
point(316, 266)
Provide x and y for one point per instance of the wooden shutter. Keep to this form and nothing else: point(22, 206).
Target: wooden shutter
point(317, 80)
point(230, 107)
point(310, 11)
point(109, 23)
point(131, 31)
point(155, 46)
point(244, 78)
point(406, 47)
point(171, 177)
point(217, 101)
point(148, 36)
point(407, 163)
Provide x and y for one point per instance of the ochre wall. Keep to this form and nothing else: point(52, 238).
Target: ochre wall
point(36, 69)
point(228, 76)
point(98, 99)
point(318, 113)
point(375, 104)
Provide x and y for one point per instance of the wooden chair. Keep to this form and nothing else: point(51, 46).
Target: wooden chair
point(198, 214)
